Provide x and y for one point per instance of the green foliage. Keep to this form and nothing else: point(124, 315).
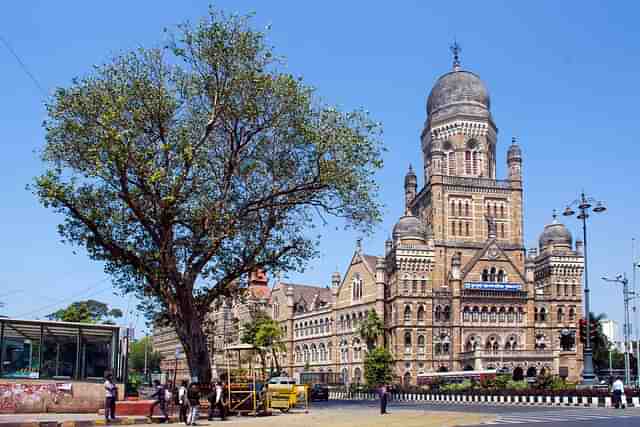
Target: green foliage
point(457, 387)
point(89, 311)
point(184, 168)
point(377, 367)
point(600, 344)
point(137, 354)
point(502, 381)
point(370, 329)
point(544, 381)
point(517, 385)
point(265, 335)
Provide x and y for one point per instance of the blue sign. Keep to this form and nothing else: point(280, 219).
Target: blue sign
point(493, 286)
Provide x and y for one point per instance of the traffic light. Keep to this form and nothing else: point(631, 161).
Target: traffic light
point(583, 330)
point(593, 330)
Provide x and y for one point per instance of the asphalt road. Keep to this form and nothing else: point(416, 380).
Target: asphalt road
point(516, 415)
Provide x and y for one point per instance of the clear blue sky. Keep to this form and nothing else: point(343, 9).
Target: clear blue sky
point(563, 77)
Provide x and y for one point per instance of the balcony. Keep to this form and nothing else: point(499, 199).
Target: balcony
point(507, 355)
point(469, 294)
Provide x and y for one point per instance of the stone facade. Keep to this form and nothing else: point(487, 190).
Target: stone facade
point(455, 287)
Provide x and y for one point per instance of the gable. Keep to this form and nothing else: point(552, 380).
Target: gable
point(491, 256)
point(362, 269)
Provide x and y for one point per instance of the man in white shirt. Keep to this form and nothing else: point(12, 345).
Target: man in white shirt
point(110, 396)
point(618, 391)
point(183, 402)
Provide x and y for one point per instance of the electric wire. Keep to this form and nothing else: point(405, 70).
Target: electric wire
point(24, 66)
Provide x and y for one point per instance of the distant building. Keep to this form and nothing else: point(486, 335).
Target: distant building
point(455, 286)
point(611, 330)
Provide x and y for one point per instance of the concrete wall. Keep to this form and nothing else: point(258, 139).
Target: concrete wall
point(33, 396)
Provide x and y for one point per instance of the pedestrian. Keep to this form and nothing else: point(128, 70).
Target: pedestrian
point(160, 399)
point(216, 401)
point(110, 397)
point(382, 391)
point(183, 403)
point(193, 396)
point(618, 392)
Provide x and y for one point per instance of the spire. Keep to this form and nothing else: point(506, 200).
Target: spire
point(554, 215)
point(455, 50)
point(359, 246)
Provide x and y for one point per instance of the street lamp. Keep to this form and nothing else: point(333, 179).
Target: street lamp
point(628, 296)
point(584, 205)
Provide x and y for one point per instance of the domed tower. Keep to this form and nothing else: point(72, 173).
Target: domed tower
point(459, 136)
point(410, 187)
point(514, 161)
point(555, 237)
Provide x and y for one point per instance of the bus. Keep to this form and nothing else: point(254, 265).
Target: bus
point(455, 376)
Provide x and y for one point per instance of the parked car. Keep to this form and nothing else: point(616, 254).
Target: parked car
point(319, 392)
point(282, 380)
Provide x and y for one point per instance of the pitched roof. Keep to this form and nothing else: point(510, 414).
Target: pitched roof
point(307, 292)
point(371, 261)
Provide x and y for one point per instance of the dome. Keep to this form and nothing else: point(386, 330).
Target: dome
point(458, 92)
point(408, 227)
point(514, 152)
point(555, 234)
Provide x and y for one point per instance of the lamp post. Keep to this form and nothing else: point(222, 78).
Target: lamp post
point(628, 296)
point(635, 264)
point(584, 205)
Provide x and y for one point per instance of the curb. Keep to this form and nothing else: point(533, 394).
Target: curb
point(92, 423)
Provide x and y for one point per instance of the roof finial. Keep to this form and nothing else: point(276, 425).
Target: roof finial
point(359, 246)
point(555, 216)
point(514, 141)
point(456, 49)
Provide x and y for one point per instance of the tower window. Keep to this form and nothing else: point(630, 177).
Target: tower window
point(467, 162)
point(453, 228)
point(460, 228)
point(475, 163)
point(501, 211)
point(453, 208)
point(502, 230)
point(452, 163)
point(467, 229)
point(466, 209)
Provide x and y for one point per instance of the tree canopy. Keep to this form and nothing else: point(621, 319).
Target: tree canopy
point(377, 366)
point(137, 355)
point(370, 329)
point(186, 167)
point(89, 311)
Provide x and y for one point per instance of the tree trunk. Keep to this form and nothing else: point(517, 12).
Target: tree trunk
point(275, 358)
point(194, 341)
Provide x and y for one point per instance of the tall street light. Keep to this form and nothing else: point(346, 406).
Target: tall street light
point(584, 205)
point(628, 296)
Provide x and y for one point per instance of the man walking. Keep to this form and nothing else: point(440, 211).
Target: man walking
point(382, 391)
point(160, 396)
point(110, 396)
point(183, 403)
point(618, 392)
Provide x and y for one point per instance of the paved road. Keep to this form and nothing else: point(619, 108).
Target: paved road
point(522, 416)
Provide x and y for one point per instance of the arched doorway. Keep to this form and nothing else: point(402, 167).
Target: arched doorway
point(443, 369)
point(406, 379)
point(531, 372)
point(357, 376)
point(518, 374)
point(468, 368)
point(345, 376)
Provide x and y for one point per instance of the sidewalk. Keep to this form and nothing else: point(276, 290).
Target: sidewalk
point(334, 417)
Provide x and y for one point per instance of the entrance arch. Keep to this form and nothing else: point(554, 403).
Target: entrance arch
point(443, 369)
point(531, 372)
point(406, 380)
point(468, 368)
point(518, 374)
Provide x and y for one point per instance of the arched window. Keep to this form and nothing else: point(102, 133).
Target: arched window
point(511, 314)
point(493, 314)
point(414, 286)
point(560, 315)
point(467, 162)
point(572, 314)
point(423, 286)
point(314, 353)
point(566, 290)
point(438, 313)
point(485, 275)
point(466, 314)
point(573, 290)
point(305, 353)
point(405, 283)
point(520, 314)
point(536, 317)
point(502, 230)
point(501, 211)
point(492, 274)
point(543, 314)
point(446, 313)
point(502, 314)
point(421, 344)
point(558, 290)
point(466, 225)
point(453, 208)
point(475, 163)
point(407, 342)
point(485, 314)
point(407, 314)
point(421, 314)
point(460, 228)
point(453, 228)
point(466, 209)
point(476, 314)
point(501, 276)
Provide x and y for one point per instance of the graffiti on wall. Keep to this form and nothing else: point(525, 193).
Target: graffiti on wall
point(15, 396)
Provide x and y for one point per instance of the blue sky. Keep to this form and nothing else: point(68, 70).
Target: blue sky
point(562, 78)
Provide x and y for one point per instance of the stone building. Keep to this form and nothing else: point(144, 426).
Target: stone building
point(454, 285)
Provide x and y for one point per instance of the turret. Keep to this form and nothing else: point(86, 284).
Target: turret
point(579, 247)
point(335, 283)
point(514, 161)
point(410, 188)
point(455, 266)
point(289, 295)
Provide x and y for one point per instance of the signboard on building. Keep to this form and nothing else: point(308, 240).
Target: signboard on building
point(493, 286)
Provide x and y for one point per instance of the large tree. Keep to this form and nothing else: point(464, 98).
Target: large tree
point(89, 311)
point(184, 168)
point(139, 351)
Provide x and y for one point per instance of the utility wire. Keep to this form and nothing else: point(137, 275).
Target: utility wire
point(24, 67)
point(90, 288)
